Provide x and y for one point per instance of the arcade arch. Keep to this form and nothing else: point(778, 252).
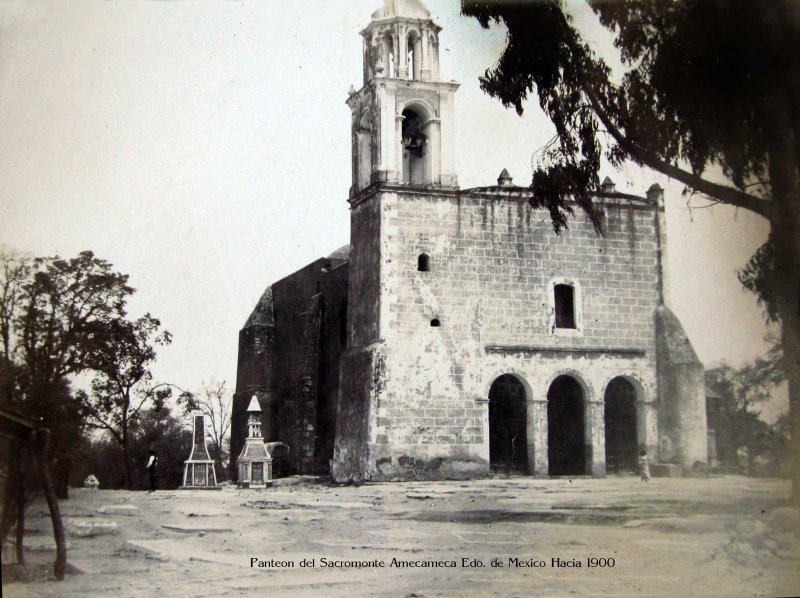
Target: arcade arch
point(621, 438)
point(508, 441)
point(566, 429)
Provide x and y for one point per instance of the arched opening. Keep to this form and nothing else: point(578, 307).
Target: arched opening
point(414, 57)
point(389, 61)
point(435, 322)
point(566, 437)
point(364, 141)
point(620, 424)
point(508, 441)
point(415, 140)
point(423, 263)
point(392, 58)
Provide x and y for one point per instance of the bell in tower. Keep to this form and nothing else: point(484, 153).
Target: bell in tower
point(403, 114)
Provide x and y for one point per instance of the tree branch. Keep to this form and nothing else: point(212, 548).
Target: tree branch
point(723, 193)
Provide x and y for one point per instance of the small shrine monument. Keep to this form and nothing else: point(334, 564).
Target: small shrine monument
point(199, 472)
point(255, 462)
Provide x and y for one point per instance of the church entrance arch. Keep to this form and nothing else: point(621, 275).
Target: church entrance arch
point(508, 443)
point(620, 425)
point(566, 437)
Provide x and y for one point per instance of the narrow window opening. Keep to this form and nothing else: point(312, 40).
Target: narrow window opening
point(391, 72)
point(423, 263)
point(436, 323)
point(412, 58)
point(564, 295)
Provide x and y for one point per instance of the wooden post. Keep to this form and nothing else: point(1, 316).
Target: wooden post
point(20, 508)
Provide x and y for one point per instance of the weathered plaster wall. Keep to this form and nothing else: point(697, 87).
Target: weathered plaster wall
point(332, 343)
point(493, 261)
point(682, 419)
point(362, 369)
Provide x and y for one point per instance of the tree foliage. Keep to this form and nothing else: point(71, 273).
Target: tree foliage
point(702, 83)
point(62, 317)
point(735, 415)
point(124, 385)
point(56, 317)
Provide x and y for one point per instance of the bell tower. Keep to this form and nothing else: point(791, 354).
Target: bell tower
point(403, 114)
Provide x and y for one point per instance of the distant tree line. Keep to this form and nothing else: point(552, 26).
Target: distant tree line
point(744, 441)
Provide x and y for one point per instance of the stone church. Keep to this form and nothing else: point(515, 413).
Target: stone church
point(458, 334)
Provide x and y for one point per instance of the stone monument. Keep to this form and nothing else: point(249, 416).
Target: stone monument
point(199, 472)
point(255, 462)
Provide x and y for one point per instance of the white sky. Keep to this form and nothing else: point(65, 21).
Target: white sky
point(204, 149)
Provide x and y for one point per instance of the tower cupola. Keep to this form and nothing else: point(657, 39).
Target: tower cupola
point(403, 115)
point(402, 42)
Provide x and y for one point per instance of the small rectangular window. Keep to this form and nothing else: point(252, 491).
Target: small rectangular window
point(423, 263)
point(564, 296)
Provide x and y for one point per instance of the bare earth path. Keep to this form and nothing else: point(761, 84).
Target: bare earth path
point(669, 537)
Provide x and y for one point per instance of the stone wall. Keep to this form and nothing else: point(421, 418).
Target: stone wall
point(493, 263)
point(362, 372)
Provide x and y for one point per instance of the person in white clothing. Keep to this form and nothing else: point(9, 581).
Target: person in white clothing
point(152, 470)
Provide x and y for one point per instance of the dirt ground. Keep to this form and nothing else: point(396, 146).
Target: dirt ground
point(690, 537)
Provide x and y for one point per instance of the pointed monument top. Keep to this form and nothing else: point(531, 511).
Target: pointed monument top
point(254, 406)
point(409, 9)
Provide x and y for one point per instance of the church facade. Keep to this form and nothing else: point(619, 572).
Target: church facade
point(458, 334)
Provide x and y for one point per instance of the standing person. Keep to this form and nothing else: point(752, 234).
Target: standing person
point(152, 470)
point(644, 467)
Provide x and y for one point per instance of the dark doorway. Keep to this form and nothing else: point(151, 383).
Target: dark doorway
point(508, 441)
point(620, 418)
point(566, 450)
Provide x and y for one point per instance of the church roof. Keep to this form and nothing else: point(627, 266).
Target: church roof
point(262, 313)
point(343, 253)
point(410, 9)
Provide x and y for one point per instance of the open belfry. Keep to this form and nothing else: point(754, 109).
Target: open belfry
point(458, 334)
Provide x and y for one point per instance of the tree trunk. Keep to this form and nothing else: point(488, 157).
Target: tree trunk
point(41, 449)
point(127, 455)
point(789, 311)
point(785, 236)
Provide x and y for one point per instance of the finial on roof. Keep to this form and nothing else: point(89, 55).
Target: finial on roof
point(504, 180)
point(654, 187)
point(254, 406)
point(411, 9)
point(608, 185)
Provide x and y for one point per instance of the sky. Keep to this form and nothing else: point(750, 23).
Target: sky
point(204, 149)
